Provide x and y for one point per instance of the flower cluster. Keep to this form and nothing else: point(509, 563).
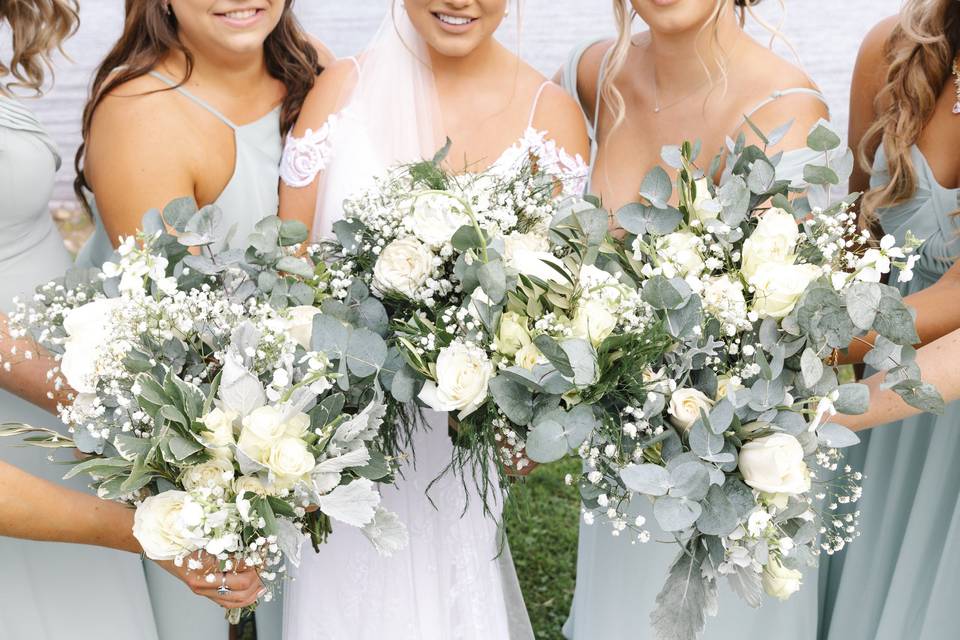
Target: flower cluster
point(728, 431)
point(203, 391)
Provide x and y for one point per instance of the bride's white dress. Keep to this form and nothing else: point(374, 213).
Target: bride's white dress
point(455, 580)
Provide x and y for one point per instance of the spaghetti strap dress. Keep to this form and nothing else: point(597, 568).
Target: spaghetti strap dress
point(50, 591)
point(251, 195)
point(900, 579)
point(618, 578)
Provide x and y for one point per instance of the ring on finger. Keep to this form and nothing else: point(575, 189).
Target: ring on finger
point(224, 589)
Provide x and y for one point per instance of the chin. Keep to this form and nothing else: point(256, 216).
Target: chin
point(674, 16)
point(453, 46)
point(244, 43)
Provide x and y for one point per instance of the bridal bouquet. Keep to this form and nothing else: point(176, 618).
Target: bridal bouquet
point(203, 397)
point(728, 431)
point(491, 314)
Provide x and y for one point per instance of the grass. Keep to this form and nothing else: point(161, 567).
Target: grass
point(542, 524)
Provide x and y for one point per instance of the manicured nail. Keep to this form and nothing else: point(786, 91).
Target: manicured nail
point(261, 593)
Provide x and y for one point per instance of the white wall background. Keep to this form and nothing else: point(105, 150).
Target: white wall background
point(826, 33)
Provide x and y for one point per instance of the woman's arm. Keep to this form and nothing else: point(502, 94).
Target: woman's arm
point(937, 361)
point(324, 100)
point(27, 377)
point(34, 509)
point(938, 313)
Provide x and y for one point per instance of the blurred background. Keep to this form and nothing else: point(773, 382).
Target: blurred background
point(542, 515)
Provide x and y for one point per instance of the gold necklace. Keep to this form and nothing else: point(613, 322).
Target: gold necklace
point(956, 83)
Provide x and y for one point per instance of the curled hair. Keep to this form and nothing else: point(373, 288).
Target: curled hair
point(150, 33)
point(920, 52)
point(39, 27)
point(617, 57)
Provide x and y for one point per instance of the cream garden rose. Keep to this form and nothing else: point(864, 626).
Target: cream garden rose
point(219, 435)
point(705, 208)
point(299, 324)
point(539, 264)
point(463, 376)
point(265, 426)
point(160, 529)
point(435, 218)
point(779, 581)
point(685, 407)
point(289, 457)
point(515, 242)
point(778, 287)
point(512, 334)
point(773, 242)
point(403, 266)
point(774, 464)
point(529, 356)
point(593, 321)
point(214, 473)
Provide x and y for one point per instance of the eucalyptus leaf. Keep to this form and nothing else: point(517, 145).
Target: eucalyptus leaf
point(854, 398)
point(656, 187)
point(837, 436)
point(646, 479)
point(676, 514)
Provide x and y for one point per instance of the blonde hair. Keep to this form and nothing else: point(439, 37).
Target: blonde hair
point(39, 28)
point(617, 57)
point(920, 51)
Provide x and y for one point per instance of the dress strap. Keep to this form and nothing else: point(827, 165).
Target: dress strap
point(776, 95)
point(536, 102)
point(199, 101)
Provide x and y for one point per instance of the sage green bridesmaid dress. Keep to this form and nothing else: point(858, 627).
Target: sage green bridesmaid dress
point(251, 195)
point(50, 591)
point(618, 579)
point(901, 578)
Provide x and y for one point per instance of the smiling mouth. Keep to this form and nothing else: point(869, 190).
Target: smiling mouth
point(240, 17)
point(454, 21)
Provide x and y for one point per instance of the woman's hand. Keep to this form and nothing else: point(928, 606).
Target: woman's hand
point(244, 584)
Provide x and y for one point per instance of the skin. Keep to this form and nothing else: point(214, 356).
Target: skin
point(485, 94)
point(938, 142)
point(695, 105)
point(191, 152)
point(34, 509)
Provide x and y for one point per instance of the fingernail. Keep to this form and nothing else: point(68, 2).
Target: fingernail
point(261, 593)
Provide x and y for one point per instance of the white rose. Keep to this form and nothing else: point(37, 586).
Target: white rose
point(537, 264)
point(685, 407)
point(299, 324)
point(593, 321)
point(159, 528)
point(403, 266)
point(219, 435)
point(773, 241)
point(214, 473)
point(512, 335)
point(780, 582)
point(88, 330)
point(778, 287)
point(252, 484)
point(774, 464)
point(435, 218)
point(264, 426)
point(528, 357)
point(705, 208)
point(524, 242)
point(289, 458)
point(682, 250)
point(726, 384)
point(463, 373)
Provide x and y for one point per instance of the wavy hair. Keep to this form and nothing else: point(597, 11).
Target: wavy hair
point(920, 51)
point(39, 28)
point(150, 33)
point(617, 57)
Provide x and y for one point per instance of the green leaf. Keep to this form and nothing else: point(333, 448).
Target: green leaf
point(555, 354)
point(663, 293)
point(680, 322)
point(366, 352)
point(689, 480)
point(646, 479)
point(762, 176)
point(100, 467)
point(179, 211)
point(854, 398)
point(721, 416)
point(295, 266)
point(292, 232)
point(811, 367)
point(863, 302)
point(281, 507)
point(466, 238)
point(676, 514)
point(181, 448)
point(493, 280)
point(922, 395)
point(814, 174)
point(719, 517)
point(894, 320)
point(686, 597)
point(656, 187)
point(822, 138)
point(837, 436)
point(262, 506)
point(513, 399)
point(583, 361)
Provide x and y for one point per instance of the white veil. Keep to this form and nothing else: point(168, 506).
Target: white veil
point(389, 115)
